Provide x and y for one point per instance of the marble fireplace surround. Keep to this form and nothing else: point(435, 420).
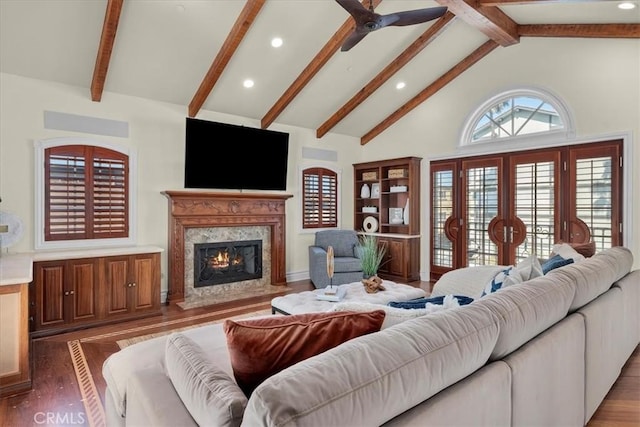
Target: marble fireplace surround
point(205, 209)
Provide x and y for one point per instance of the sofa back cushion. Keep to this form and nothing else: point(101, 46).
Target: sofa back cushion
point(595, 275)
point(527, 309)
point(209, 394)
point(342, 241)
point(394, 369)
point(262, 347)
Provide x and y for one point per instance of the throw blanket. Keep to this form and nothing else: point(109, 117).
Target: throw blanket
point(435, 303)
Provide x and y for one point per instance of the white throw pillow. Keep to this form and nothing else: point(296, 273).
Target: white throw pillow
point(210, 395)
point(527, 269)
point(566, 251)
point(467, 281)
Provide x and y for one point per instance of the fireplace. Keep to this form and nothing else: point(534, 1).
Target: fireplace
point(203, 216)
point(227, 262)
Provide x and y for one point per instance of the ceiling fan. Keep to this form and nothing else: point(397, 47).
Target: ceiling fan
point(367, 20)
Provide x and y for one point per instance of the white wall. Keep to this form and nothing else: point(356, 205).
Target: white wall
point(156, 131)
point(598, 79)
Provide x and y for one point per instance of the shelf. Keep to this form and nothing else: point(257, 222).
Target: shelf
point(402, 260)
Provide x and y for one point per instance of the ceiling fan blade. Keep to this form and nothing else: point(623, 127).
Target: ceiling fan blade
point(411, 17)
point(359, 13)
point(353, 40)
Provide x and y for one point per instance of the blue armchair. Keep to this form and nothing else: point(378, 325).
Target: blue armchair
point(347, 266)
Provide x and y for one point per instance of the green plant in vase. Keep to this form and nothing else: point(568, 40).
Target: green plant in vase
point(371, 254)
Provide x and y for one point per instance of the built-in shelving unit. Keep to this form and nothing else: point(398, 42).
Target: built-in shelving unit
point(389, 207)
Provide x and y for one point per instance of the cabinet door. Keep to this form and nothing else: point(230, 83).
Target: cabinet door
point(81, 293)
point(117, 284)
point(146, 281)
point(49, 294)
point(396, 258)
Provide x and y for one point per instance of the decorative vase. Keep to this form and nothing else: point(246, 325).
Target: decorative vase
point(406, 212)
point(365, 192)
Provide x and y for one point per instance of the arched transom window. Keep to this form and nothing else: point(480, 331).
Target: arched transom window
point(517, 114)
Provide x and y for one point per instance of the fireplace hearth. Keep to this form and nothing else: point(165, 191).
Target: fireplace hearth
point(226, 262)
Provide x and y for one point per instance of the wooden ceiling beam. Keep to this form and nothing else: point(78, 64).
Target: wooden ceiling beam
point(321, 58)
point(107, 40)
point(519, 2)
point(629, 31)
point(233, 40)
point(430, 90)
point(394, 66)
point(490, 20)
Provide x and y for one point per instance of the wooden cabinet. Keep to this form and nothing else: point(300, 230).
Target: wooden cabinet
point(132, 283)
point(15, 372)
point(65, 292)
point(70, 294)
point(389, 207)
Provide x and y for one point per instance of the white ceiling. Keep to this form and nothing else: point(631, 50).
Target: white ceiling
point(164, 48)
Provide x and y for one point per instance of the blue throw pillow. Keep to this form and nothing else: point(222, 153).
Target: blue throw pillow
point(554, 262)
point(496, 283)
point(422, 302)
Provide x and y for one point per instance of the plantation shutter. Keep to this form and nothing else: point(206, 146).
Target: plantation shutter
point(65, 193)
point(86, 193)
point(110, 196)
point(320, 198)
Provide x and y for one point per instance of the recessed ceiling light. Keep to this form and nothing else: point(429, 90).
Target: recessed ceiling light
point(627, 5)
point(400, 85)
point(248, 83)
point(276, 42)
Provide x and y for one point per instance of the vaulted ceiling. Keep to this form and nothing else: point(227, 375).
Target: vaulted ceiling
point(198, 53)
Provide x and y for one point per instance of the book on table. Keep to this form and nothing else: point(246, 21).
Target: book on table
point(333, 293)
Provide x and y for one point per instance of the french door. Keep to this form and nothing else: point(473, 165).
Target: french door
point(499, 209)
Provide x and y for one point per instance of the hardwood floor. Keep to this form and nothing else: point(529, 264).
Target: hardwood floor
point(56, 398)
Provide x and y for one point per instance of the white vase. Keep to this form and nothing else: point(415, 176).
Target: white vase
point(406, 212)
point(365, 192)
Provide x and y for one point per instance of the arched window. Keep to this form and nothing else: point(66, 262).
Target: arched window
point(83, 190)
point(518, 114)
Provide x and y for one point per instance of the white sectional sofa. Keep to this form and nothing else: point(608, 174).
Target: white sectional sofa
point(541, 353)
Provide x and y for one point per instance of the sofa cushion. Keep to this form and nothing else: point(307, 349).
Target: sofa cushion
point(595, 275)
point(210, 395)
point(342, 241)
point(394, 369)
point(346, 264)
point(527, 309)
point(262, 347)
point(497, 282)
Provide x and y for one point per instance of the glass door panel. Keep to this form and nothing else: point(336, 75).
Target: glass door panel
point(442, 216)
point(481, 200)
point(595, 209)
point(534, 201)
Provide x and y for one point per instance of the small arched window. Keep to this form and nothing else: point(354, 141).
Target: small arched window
point(319, 198)
point(519, 113)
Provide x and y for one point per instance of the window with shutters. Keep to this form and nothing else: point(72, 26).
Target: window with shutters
point(319, 198)
point(84, 194)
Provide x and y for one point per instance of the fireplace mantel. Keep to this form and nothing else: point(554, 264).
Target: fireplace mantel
point(198, 209)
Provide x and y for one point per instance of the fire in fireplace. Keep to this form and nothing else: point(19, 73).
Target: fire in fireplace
point(225, 262)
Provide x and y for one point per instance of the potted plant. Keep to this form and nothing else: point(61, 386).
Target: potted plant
point(371, 254)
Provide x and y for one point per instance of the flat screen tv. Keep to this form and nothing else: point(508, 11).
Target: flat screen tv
point(225, 156)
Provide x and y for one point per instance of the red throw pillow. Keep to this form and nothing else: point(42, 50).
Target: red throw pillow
point(263, 347)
